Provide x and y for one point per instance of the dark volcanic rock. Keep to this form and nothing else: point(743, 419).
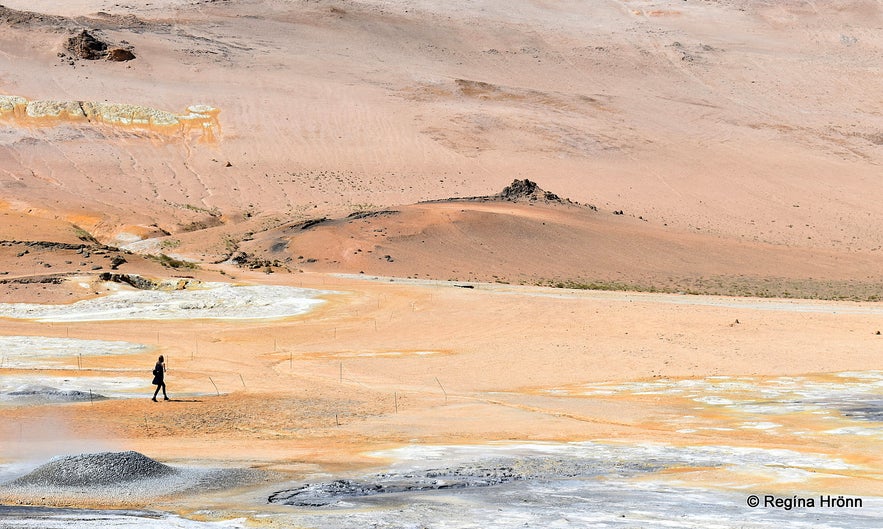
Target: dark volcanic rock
point(518, 191)
point(14, 17)
point(141, 283)
point(85, 46)
point(45, 280)
point(526, 190)
point(367, 214)
point(307, 224)
point(117, 261)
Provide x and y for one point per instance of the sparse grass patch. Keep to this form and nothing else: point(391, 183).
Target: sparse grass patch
point(84, 235)
point(605, 285)
point(197, 225)
point(758, 287)
point(168, 244)
point(231, 244)
point(213, 212)
point(171, 262)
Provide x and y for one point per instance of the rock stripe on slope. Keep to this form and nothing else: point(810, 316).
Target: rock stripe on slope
point(201, 118)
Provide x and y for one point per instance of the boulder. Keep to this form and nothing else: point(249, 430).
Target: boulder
point(119, 55)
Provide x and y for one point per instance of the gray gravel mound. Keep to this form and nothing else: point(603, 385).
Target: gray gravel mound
point(102, 469)
point(53, 394)
point(117, 478)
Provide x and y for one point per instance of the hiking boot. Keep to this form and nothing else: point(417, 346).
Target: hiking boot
point(154, 399)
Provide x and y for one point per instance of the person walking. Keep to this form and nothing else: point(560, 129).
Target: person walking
point(159, 376)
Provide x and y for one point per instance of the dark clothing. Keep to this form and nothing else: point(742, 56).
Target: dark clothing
point(159, 374)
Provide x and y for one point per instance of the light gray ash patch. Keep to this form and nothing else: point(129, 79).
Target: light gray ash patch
point(39, 517)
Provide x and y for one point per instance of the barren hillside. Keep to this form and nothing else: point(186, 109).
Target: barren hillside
point(752, 122)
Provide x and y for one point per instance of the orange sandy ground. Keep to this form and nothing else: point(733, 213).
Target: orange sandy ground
point(754, 122)
point(315, 393)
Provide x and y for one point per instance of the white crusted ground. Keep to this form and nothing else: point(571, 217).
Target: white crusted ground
point(214, 301)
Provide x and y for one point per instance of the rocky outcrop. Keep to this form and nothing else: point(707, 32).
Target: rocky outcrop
point(143, 283)
point(527, 190)
point(14, 17)
point(368, 214)
point(11, 104)
point(100, 20)
point(518, 191)
point(198, 118)
point(134, 280)
point(52, 279)
point(251, 262)
point(49, 245)
point(84, 45)
point(119, 55)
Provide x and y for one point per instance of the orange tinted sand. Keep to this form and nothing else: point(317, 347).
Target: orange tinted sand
point(741, 140)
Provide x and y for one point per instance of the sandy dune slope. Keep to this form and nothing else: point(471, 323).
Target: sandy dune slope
point(757, 120)
point(291, 202)
point(561, 244)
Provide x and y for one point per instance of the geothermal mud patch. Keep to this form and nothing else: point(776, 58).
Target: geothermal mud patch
point(209, 301)
point(816, 404)
point(556, 485)
point(44, 352)
point(24, 517)
point(480, 474)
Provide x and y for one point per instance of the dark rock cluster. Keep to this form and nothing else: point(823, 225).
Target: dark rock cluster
point(85, 45)
point(527, 190)
point(518, 191)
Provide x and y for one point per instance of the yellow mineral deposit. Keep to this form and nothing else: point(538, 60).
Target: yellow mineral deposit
point(12, 106)
point(200, 118)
